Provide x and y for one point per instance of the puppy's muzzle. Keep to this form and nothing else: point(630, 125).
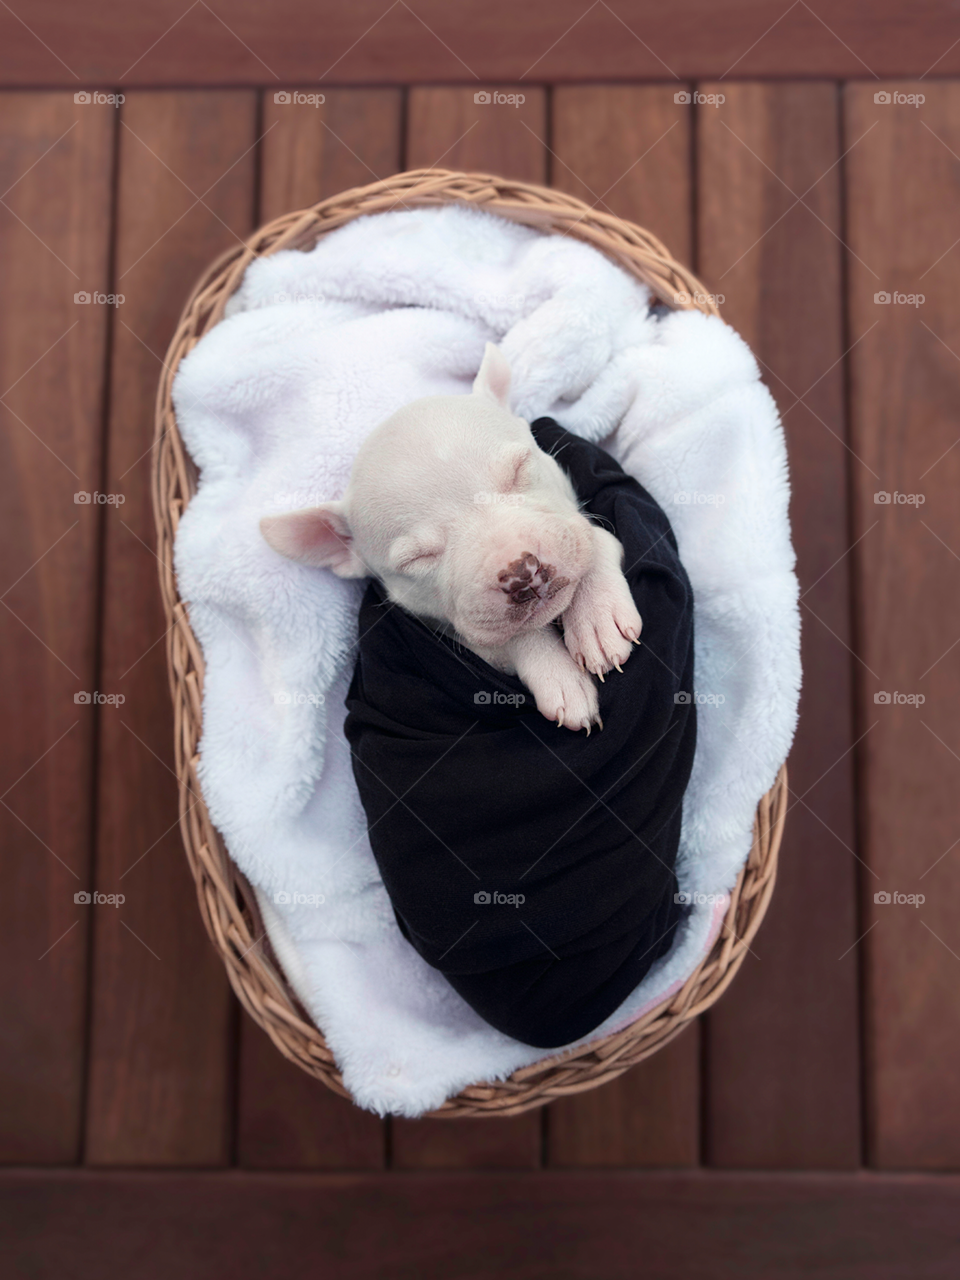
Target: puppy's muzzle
point(526, 579)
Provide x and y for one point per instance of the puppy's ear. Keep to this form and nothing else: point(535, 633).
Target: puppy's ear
point(317, 536)
point(493, 380)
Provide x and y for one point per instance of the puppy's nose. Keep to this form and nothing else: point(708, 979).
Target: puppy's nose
point(526, 578)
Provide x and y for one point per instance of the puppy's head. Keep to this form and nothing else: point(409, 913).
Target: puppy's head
point(456, 510)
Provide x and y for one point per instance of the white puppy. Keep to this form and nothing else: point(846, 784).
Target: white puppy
point(472, 527)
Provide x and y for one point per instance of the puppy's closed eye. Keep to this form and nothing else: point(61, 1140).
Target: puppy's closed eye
point(515, 468)
point(416, 553)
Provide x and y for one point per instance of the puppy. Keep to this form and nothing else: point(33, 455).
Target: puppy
point(473, 528)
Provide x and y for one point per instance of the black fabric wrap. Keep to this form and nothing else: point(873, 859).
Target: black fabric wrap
point(469, 791)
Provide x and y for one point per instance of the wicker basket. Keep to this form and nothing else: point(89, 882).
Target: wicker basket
point(227, 903)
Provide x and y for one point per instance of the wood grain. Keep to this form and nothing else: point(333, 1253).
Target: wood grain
point(782, 1062)
point(311, 152)
point(448, 129)
point(626, 149)
point(161, 1041)
point(648, 1118)
point(286, 1120)
point(471, 1227)
point(55, 174)
point(326, 42)
point(904, 183)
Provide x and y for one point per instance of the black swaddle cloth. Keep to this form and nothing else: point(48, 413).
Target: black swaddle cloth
point(533, 866)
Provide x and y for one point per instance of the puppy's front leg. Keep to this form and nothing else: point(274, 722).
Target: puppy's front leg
point(562, 691)
point(602, 621)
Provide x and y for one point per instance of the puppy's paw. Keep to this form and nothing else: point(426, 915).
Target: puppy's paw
point(566, 695)
point(600, 627)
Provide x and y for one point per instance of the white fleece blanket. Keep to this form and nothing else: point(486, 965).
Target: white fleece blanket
point(316, 349)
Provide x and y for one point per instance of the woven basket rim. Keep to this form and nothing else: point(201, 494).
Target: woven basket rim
point(227, 903)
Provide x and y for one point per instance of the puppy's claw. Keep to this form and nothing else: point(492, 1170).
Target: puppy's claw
point(600, 723)
point(600, 677)
point(588, 731)
point(560, 718)
point(619, 668)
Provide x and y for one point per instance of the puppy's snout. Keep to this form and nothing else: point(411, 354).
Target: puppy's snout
point(528, 578)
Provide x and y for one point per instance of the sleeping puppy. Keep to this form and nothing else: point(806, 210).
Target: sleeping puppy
point(473, 528)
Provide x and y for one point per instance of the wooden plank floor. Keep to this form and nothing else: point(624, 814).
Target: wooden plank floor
point(833, 1053)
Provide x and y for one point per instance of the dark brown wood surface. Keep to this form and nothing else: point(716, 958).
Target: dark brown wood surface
point(448, 129)
point(161, 1035)
point(98, 43)
point(56, 179)
point(902, 215)
point(544, 1226)
point(121, 1044)
point(314, 150)
point(625, 150)
point(782, 1064)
